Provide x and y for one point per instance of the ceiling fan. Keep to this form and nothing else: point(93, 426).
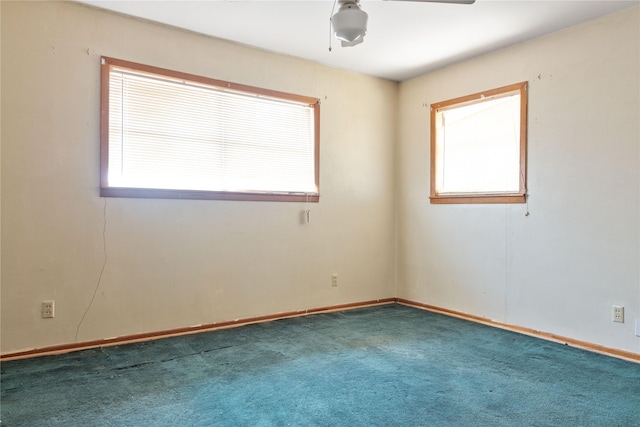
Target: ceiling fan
point(350, 21)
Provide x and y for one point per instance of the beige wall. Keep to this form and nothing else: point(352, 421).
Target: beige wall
point(174, 263)
point(560, 269)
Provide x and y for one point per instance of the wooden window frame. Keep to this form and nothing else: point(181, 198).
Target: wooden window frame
point(476, 198)
point(107, 64)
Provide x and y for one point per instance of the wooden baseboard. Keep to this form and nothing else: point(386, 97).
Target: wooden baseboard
point(108, 342)
point(613, 352)
point(66, 348)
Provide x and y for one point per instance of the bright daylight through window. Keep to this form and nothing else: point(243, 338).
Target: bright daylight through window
point(174, 135)
point(479, 147)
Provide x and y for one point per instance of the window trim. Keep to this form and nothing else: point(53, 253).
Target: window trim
point(476, 198)
point(108, 63)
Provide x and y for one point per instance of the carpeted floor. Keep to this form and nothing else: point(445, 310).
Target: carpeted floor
point(382, 366)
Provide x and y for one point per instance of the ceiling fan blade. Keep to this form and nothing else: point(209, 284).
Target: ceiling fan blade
point(441, 1)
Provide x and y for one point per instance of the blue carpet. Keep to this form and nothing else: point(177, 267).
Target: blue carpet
point(382, 366)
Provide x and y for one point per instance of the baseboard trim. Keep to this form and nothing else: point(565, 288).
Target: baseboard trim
point(127, 339)
point(584, 345)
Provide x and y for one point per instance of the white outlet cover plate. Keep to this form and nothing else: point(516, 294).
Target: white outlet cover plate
point(617, 309)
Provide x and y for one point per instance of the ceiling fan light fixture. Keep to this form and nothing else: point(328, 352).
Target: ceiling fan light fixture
point(350, 24)
point(353, 43)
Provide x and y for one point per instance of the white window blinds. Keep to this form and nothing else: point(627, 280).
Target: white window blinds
point(169, 133)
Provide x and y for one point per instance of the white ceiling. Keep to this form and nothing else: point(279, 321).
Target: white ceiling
point(404, 38)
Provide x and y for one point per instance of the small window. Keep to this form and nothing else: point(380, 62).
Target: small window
point(479, 147)
point(167, 134)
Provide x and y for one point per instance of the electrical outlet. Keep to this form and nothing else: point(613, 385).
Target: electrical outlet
point(334, 280)
point(48, 309)
point(618, 313)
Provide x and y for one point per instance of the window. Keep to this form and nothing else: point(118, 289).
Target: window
point(479, 147)
point(168, 134)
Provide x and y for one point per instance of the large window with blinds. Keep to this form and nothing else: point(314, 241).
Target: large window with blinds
point(167, 134)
